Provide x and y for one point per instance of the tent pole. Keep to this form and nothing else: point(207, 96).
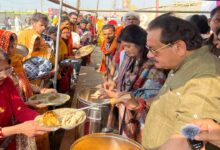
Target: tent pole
point(57, 46)
point(78, 5)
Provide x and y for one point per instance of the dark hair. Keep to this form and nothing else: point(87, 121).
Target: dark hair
point(201, 22)
point(214, 11)
point(5, 56)
point(108, 26)
point(12, 38)
point(135, 34)
point(174, 29)
point(39, 17)
point(64, 18)
point(73, 13)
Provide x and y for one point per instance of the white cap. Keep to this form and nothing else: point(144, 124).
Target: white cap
point(131, 13)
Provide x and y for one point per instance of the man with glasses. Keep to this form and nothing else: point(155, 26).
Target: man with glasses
point(214, 23)
point(191, 90)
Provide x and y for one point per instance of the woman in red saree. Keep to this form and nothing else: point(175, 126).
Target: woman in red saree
point(13, 109)
point(7, 40)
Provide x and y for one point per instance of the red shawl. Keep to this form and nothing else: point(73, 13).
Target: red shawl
point(5, 39)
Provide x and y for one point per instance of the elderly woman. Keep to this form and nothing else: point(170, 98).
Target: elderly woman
point(138, 77)
point(13, 108)
point(7, 43)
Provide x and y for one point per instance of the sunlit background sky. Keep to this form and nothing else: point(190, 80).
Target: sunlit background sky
point(25, 5)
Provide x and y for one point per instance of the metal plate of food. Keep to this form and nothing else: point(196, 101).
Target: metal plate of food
point(49, 99)
point(84, 51)
point(22, 50)
point(65, 118)
point(37, 67)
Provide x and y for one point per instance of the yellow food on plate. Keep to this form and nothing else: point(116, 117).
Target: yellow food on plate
point(50, 119)
point(66, 118)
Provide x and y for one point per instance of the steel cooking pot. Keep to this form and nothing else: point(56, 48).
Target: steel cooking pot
point(97, 116)
point(105, 141)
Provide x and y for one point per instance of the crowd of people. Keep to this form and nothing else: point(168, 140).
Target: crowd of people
point(161, 78)
point(136, 77)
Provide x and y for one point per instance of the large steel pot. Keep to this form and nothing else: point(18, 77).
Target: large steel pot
point(97, 117)
point(105, 141)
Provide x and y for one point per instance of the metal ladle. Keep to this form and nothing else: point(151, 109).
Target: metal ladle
point(106, 101)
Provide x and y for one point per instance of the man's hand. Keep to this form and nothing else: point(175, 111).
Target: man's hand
point(209, 131)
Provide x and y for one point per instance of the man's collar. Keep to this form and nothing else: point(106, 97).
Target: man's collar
point(191, 56)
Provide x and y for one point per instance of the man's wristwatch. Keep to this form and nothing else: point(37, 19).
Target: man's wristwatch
point(195, 145)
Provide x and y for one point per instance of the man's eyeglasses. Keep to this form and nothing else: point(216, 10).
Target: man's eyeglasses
point(155, 51)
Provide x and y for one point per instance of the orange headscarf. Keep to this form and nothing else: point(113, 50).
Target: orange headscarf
point(24, 37)
point(16, 62)
point(45, 51)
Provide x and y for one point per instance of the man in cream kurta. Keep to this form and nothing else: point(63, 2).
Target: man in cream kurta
point(191, 90)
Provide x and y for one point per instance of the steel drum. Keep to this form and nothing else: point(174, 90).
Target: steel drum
point(37, 67)
point(97, 117)
point(104, 141)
